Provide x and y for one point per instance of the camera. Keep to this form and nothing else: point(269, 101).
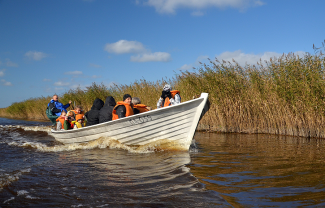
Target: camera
point(69, 117)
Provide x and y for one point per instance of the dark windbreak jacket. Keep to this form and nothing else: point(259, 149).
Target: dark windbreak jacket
point(105, 114)
point(93, 115)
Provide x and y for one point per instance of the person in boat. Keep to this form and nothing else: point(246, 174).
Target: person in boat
point(168, 97)
point(78, 111)
point(60, 121)
point(123, 108)
point(56, 107)
point(105, 114)
point(79, 122)
point(69, 121)
point(92, 116)
point(138, 107)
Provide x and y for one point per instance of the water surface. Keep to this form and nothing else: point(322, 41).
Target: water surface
point(220, 170)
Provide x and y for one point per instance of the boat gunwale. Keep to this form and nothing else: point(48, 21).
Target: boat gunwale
point(122, 119)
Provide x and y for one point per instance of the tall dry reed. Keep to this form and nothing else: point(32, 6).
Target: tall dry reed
point(280, 96)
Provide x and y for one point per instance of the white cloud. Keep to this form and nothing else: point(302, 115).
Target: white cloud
point(201, 58)
point(186, 67)
point(243, 58)
point(46, 80)
point(95, 76)
point(35, 55)
point(190, 66)
point(5, 83)
point(2, 72)
point(197, 13)
point(74, 72)
point(135, 47)
point(75, 86)
point(60, 83)
point(125, 46)
point(111, 84)
point(170, 6)
point(95, 65)
point(147, 57)
point(58, 88)
point(11, 64)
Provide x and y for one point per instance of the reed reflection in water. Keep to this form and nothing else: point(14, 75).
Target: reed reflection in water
point(262, 170)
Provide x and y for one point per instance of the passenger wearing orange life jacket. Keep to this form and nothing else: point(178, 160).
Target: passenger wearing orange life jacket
point(169, 97)
point(138, 107)
point(60, 121)
point(79, 112)
point(123, 108)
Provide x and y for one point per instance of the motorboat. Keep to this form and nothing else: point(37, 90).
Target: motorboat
point(172, 125)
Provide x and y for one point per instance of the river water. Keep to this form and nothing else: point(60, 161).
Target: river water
point(219, 170)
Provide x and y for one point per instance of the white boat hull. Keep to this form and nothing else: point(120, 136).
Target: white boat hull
point(174, 124)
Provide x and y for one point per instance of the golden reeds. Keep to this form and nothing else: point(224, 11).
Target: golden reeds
point(281, 96)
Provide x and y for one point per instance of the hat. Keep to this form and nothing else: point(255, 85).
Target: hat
point(167, 87)
point(79, 116)
point(126, 96)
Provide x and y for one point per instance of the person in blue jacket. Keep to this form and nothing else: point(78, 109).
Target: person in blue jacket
point(56, 107)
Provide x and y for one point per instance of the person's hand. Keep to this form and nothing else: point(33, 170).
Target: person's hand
point(70, 101)
point(169, 95)
point(66, 118)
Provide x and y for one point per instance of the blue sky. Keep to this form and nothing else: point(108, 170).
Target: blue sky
point(51, 46)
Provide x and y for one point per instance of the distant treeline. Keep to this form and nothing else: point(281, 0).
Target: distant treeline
point(284, 95)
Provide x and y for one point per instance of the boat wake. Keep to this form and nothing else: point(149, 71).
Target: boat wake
point(27, 128)
point(102, 143)
point(36, 137)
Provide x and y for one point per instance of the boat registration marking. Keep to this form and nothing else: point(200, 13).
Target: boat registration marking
point(140, 120)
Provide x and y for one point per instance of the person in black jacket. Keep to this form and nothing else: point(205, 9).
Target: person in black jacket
point(92, 116)
point(121, 110)
point(105, 114)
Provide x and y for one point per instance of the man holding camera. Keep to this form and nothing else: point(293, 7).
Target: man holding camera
point(169, 97)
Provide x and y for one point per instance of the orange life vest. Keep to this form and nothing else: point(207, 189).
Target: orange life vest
point(61, 119)
point(167, 101)
point(75, 112)
point(141, 107)
point(79, 116)
point(129, 110)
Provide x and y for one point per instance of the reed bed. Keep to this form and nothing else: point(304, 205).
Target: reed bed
point(284, 96)
point(281, 96)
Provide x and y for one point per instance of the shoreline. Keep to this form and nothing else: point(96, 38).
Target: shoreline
point(27, 119)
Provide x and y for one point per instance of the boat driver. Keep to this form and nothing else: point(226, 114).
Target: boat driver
point(57, 107)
